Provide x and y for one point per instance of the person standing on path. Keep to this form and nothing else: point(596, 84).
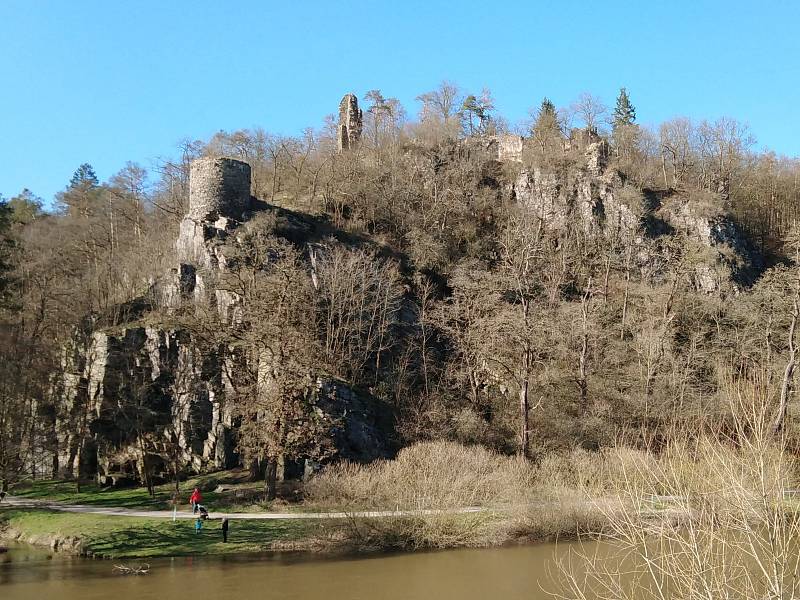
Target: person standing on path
point(195, 499)
point(224, 530)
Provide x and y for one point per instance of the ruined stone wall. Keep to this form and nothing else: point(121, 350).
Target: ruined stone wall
point(219, 197)
point(510, 147)
point(350, 123)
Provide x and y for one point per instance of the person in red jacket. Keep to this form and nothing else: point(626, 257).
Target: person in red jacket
point(195, 499)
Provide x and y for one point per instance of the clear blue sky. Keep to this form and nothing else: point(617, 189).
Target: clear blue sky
point(109, 81)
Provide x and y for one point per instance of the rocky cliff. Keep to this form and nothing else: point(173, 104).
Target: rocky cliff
point(145, 392)
point(142, 392)
point(595, 198)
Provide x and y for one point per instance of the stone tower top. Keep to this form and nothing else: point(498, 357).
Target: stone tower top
point(218, 187)
point(350, 123)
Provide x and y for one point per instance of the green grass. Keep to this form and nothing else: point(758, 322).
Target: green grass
point(137, 497)
point(128, 537)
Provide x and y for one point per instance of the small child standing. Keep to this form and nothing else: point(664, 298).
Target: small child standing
point(198, 525)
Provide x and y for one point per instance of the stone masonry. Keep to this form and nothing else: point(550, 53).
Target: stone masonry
point(218, 187)
point(350, 123)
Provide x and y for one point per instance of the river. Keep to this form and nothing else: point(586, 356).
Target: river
point(507, 573)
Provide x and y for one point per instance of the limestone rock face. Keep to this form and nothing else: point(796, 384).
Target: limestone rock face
point(200, 242)
point(359, 434)
point(591, 198)
point(136, 395)
point(595, 198)
point(143, 381)
point(351, 120)
point(543, 194)
point(730, 258)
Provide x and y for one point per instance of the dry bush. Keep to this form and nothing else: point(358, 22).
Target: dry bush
point(591, 473)
point(711, 518)
point(433, 478)
point(429, 475)
point(520, 501)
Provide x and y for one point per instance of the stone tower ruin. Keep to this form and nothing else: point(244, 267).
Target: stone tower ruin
point(219, 195)
point(218, 187)
point(350, 123)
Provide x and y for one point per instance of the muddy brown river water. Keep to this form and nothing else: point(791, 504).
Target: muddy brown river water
point(502, 573)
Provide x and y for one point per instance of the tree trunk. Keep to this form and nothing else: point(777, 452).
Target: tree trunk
point(523, 413)
point(791, 363)
point(270, 479)
point(584, 353)
point(625, 297)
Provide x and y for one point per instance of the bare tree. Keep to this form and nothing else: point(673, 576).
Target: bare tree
point(441, 103)
point(590, 109)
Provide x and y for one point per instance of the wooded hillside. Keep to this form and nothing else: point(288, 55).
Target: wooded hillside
point(391, 280)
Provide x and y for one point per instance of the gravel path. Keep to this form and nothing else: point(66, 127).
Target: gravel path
point(11, 501)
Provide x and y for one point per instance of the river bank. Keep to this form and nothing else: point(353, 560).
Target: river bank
point(432, 496)
point(511, 573)
point(135, 537)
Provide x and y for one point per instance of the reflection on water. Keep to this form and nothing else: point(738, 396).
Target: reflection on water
point(508, 573)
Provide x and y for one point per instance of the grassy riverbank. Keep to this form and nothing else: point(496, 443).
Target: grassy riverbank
point(127, 537)
point(563, 495)
point(228, 491)
point(518, 501)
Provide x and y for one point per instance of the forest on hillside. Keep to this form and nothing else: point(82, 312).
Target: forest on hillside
point(471, 297)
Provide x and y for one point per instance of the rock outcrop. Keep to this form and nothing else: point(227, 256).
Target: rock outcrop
point(592, 197)
point(137, 393)
point(728, 259)
point(595, 198)
point(351, 121)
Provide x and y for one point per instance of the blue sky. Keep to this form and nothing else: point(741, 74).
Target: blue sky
point(108, 81)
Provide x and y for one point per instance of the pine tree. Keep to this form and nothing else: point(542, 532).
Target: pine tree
point(547, 111)
point(546, 118)
point(82, 195)
point(476, 112)
point(625, 130)
point(546, 129)
point(624, 112)
point(84, 177)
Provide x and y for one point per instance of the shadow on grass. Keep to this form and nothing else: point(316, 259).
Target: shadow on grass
point(179, 538)
point(93, 495)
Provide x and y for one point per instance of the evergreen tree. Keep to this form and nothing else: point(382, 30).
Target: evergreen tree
point(624, 112)
point(625, 130)
point(82, 194)
point(476, 112)
point(84, 177)
point(546, 129)
point(546, 119)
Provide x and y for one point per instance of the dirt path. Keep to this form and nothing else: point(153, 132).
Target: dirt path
point(10, 501)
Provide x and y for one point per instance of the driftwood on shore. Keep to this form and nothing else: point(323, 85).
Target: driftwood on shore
point(132, 570)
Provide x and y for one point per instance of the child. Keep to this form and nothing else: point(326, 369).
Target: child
point(198, 525)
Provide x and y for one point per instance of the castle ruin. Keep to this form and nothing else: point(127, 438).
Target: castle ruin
point(351, 120)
